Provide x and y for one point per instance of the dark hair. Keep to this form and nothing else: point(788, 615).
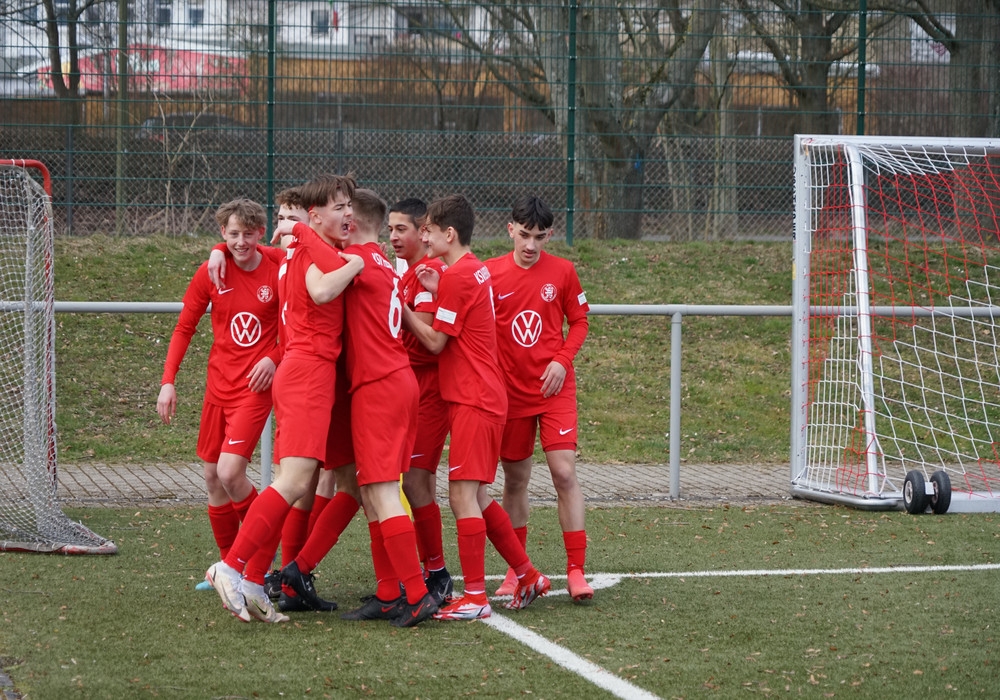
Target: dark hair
point(291, 198)
point(369, 208)
point(454, 211)
point(412, 207)
point(323, 189)
point(246, 211)
point(532, 212)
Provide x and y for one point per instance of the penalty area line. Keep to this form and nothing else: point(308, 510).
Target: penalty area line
point(928, 569)
point(568, 660)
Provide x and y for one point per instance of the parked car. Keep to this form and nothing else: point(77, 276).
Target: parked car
point(192, 126)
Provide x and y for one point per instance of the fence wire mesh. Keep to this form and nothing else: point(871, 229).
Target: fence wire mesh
point(633, 119)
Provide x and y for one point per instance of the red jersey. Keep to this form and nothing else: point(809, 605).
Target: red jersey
point(244, 327)
point(374, 319)
point(419, 299)
point(310, 329)
point(531, 304)
point(470, 373)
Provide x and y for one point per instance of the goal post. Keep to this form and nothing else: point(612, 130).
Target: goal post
point(31, 518)
point(896, 305)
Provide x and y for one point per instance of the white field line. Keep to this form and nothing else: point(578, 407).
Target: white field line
point(618, 687)
point(623, 689)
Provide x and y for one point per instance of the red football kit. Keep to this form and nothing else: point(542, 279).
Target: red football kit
point(383, 389)
point(432, 411)
point(245, 318)
point(303, 384)
point(470, 376)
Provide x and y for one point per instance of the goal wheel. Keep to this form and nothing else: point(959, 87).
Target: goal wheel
point(942, 492)
point(914, 493)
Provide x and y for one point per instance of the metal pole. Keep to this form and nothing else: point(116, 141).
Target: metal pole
point(675, 404)
point(571, 124)
point(862, 59)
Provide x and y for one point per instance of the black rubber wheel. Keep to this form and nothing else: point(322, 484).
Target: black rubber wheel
point(914, 495)
point(941, 499)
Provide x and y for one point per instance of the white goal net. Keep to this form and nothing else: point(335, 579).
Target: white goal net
point(30, 516)
point(896, 371)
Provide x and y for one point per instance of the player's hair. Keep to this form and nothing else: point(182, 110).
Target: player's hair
point(455, 211)
point(290, 197)
point(246, 211)
point(532, 212)
point(323, 189)
point(369, 209)
point(412, 207)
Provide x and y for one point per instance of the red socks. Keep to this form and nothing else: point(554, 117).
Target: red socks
point(329, 525)
point(401, 546)
point(501, 534)
point(225, 523)
point(261, 526)
point(427, 525)
point(472, 553)
point(387, 587)
point(576, 549)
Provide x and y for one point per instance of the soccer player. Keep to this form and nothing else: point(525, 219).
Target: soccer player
point(313, 308)
point(241, 365)
point(420, 481)
point(463, 335)
point(533, 294)
point(384, 396)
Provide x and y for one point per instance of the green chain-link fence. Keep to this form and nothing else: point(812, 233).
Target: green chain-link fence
point(634, 119)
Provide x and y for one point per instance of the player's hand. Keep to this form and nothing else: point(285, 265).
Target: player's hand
point(166, 403)
point(217, 268)
point(553, 379)
point(261, 375)
point(284, 228)
point(429, 277)
point(351, 257)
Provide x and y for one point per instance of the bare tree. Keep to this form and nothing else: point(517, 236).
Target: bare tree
point(635, 64)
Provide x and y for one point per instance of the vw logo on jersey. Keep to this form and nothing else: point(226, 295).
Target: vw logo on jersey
point(245, 329)
point(526, 328)
point(548, 292)
point(265, 293)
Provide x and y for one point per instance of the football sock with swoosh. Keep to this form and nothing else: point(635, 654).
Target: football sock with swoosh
point(472, 553)
point(401, 546)
point(576, 549)
point(427, 525)
point(501, 534)
point(385, 575)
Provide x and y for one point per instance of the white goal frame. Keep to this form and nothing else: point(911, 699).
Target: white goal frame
point(31, 518)
point(874, 413)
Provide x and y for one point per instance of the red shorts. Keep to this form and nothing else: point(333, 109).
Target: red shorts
point(303, 401)
point(557, 428)
point(339, 440)
point(234, 428)
point(433, 422)
point(475, 444)
point(384, 420)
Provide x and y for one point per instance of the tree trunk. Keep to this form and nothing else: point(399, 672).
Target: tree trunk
point(965, 70)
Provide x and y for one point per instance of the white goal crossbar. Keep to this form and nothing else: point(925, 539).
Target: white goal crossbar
point(896, 304)
point(30, 516)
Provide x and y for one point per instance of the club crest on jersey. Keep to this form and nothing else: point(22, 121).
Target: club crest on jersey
point(245, 329)
point(548, 292)
point(265, 293)
point(526, 328)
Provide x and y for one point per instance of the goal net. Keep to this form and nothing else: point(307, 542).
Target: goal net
point(30, 516)
point(895, 364)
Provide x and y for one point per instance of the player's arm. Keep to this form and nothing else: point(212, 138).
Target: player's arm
point(219, 257)
point(575, 311)
point(324, 288)
point(196, 301)
point(419, 324)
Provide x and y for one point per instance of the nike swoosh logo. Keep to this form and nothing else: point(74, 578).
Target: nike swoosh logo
point(567, 430)
point(504, 296)
point(419, 454)
point(388, 608)
point(417, 611)
point(226, 291)
point(451, 469)
point(236, 442)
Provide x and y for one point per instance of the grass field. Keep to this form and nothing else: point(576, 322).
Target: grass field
point(723, 602)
